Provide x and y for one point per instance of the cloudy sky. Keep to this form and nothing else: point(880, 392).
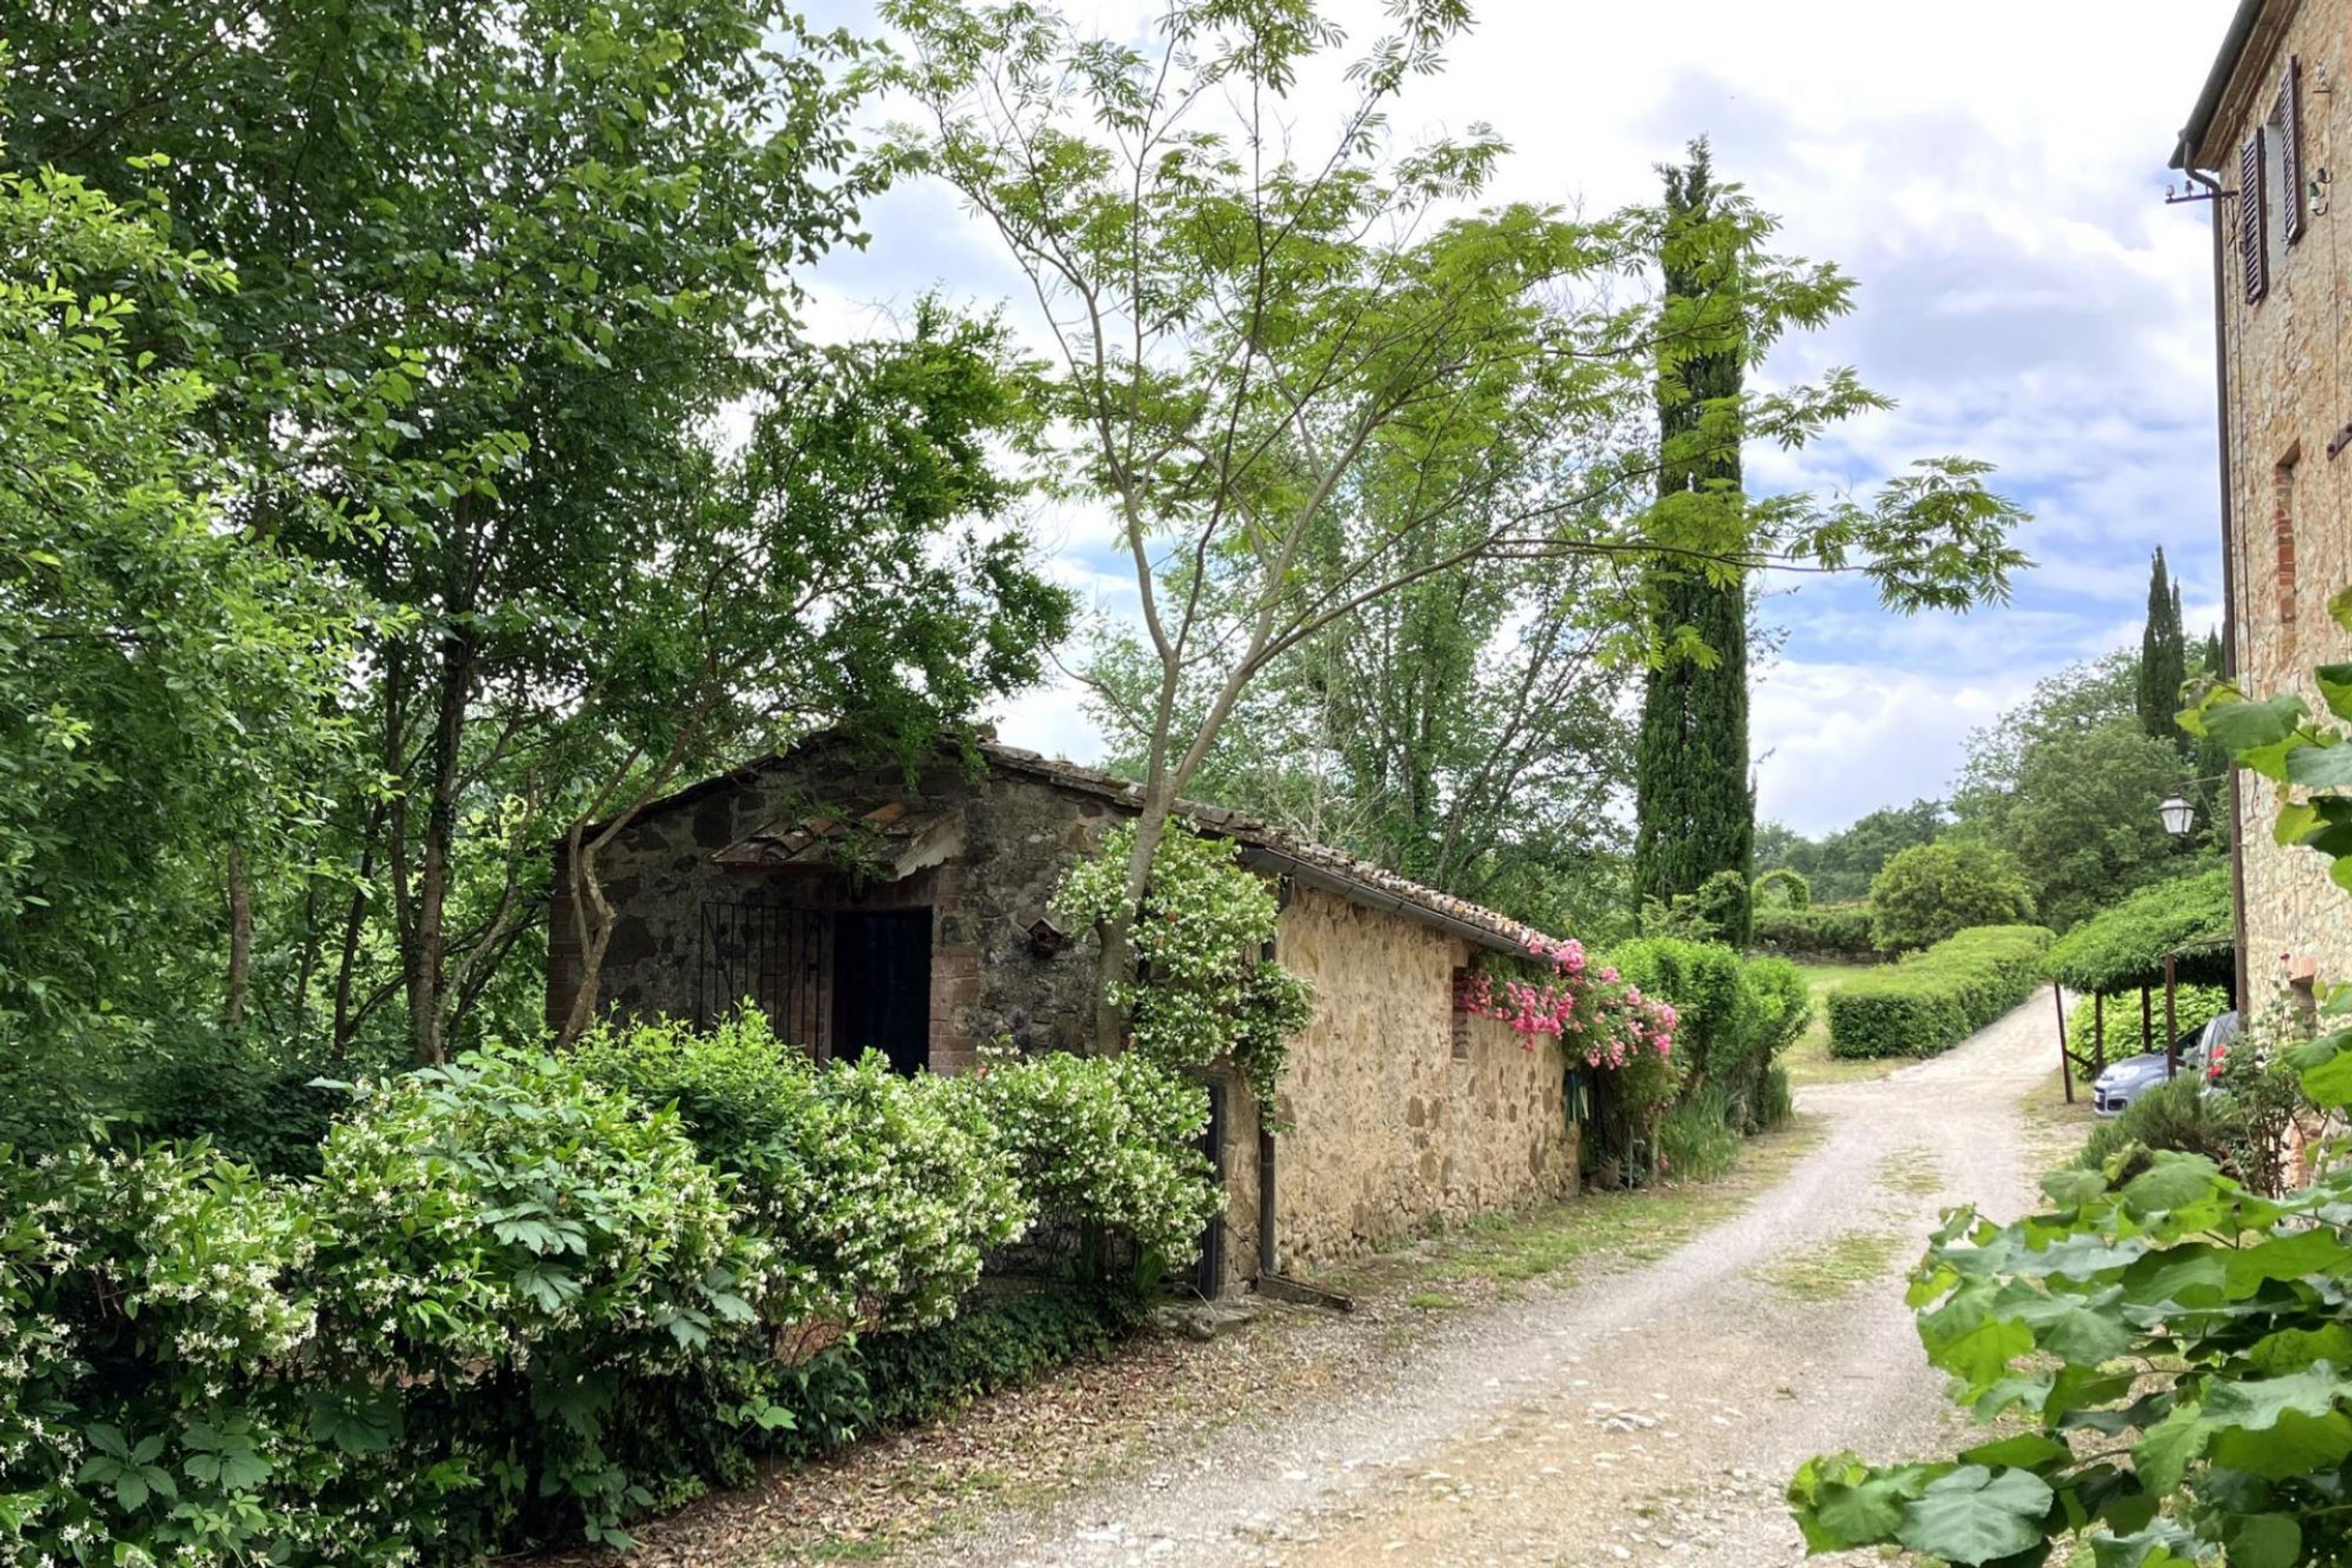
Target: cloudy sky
point(1994, 177)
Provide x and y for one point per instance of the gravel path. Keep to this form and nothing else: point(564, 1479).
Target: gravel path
point(1651, 1417)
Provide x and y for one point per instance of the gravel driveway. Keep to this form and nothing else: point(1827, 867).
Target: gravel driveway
point(1651, 1417)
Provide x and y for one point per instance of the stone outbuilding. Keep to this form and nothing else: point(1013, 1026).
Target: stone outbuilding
point(861, 909)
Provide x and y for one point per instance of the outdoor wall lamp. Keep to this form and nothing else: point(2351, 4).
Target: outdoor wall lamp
point(2177, 813)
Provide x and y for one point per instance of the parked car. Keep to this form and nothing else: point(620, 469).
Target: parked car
point(2126, 1080)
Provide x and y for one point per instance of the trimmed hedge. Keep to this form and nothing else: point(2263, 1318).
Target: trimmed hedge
point(2123, 948)
point(1734, 1015)
point(2193, 1005)
point(1933, 1000)
point(1818, 930)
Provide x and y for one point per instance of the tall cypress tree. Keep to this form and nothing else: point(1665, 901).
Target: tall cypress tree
point(1695, 811)
point(2163, 660)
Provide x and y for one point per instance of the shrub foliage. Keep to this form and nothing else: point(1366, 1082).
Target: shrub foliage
point(1931, 891)
point(2124, 947)
point(1734, 1017)
point(523, 1294)
point(1819, 930)
point(1932, 1001)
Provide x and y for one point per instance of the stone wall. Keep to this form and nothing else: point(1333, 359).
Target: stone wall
point(1017, 838)
point(2291, 498)
point(1400, 1113)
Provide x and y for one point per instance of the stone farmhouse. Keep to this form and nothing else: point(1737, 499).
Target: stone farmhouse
point(861, 910)
point(2263, 140)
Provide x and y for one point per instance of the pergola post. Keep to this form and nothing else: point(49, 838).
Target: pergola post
point(2171, 1027)
point(2065, 1062)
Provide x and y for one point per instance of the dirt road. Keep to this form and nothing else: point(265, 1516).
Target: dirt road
point(1652, 1417)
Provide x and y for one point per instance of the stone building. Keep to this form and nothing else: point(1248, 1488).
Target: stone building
point(861, 909)
point(2263, 140)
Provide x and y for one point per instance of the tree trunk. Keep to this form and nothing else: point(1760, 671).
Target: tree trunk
point(355, 919)
point(591, 923)
point(1118, 937)
point(427, 935)
point(240, 939)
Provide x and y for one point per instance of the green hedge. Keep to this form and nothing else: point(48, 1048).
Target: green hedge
point(1734, 1015)
point(1819, 930)
point(1933, 1000)
point(2193, 1005)
point(528, 1296)
point(2124, 947)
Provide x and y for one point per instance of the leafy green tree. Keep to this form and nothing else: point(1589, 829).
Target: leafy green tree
point(503, 268)
point(1839, 867)
point(1248, 330)
point(2069, 782)
point(2163, 660)
point(1462, 730)
point(1695, 810)
point(166, 680)
point(1931, 891)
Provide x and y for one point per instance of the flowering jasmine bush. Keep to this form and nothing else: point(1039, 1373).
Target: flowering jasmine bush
point(1112, 1141)
point(158, 1307)
point(881, 1193)
point(1202, 994)
point(526, 1294)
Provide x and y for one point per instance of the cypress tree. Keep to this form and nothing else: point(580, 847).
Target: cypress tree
point(2163, 660)
point(1695, 811)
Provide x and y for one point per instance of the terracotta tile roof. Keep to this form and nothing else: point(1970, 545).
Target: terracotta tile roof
point(1347, 875)
point(779, 845)
point(890, 841)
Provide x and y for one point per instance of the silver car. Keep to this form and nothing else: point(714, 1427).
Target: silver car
point(2126, 1080)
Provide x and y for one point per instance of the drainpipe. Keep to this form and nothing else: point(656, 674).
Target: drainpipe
point(2186, 156)
point(1265, 1269)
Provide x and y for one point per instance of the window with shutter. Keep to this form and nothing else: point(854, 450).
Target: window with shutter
point(2289, 115)
point(2254, 249)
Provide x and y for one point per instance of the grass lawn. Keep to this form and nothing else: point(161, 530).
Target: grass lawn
point(1573, 1238)
point(1809, 1060)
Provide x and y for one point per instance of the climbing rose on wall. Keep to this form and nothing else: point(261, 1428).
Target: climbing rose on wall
point(1599, 1017)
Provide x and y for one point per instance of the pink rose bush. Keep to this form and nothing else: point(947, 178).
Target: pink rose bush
point(1599, 1017)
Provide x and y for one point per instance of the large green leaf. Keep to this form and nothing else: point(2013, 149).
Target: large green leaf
point(2293, 1444)
point(2025, 1451)
point(2175, 1181)
point(2242, 726)
point(2266, 1541)
point(1977, 1515)
point(2335, 683)
point(2167, 1449)
point(2320, 767)
point(2071, 1188)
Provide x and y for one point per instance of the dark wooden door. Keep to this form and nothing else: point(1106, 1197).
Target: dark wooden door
point(882, 986)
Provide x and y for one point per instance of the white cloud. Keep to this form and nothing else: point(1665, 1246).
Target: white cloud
point(1991, 175)
point(1840, 739)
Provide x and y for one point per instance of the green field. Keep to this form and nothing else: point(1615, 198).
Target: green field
point(1809, 1060)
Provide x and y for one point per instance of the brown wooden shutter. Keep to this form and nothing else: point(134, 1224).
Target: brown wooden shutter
point(2289, 124)
point(2253, 249)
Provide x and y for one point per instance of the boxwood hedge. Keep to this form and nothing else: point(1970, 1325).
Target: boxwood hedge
point(1818, 930)
point(1933, 1000)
